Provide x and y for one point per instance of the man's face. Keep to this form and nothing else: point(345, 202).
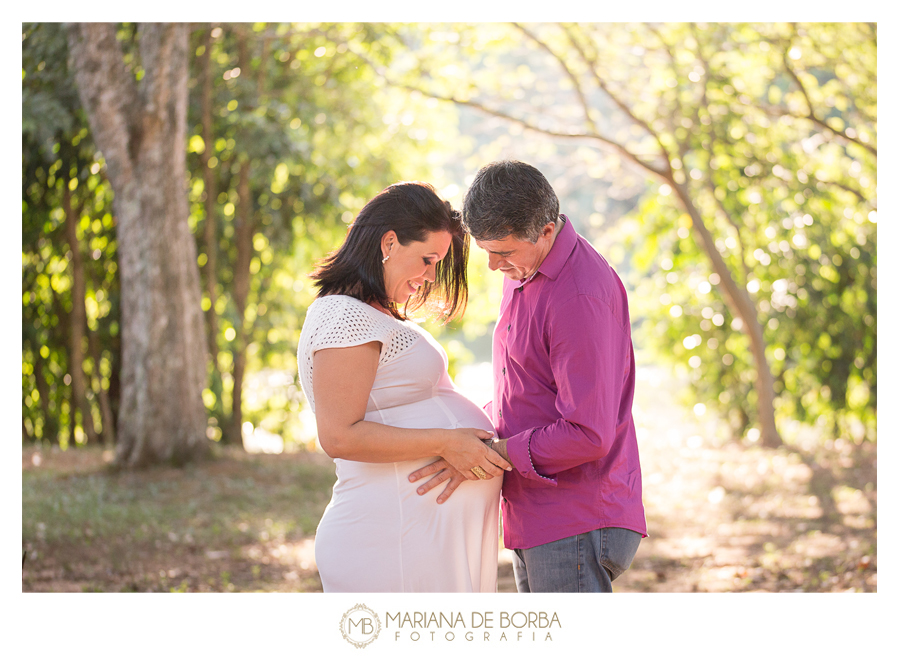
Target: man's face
point(518, 259)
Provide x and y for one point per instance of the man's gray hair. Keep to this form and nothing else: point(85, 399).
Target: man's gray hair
point(509, 198)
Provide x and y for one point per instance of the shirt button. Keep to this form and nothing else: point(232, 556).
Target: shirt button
point(499, 414)
point(508, 327)
point(504, 371)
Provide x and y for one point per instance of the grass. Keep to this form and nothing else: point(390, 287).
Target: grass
point(231, 523)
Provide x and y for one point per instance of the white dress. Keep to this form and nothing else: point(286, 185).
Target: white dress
point(377, 534)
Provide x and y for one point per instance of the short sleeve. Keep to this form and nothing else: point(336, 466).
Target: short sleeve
point(339, 321)
point(335, 322)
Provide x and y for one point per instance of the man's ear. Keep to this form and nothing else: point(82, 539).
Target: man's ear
point(548, 229)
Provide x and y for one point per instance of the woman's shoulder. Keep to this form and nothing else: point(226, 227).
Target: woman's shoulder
point(345, 315)
point(336, 300)
point(346, 304)
point(343, 321)
point(330, 304)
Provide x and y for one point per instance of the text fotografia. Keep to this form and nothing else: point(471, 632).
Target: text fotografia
point(479, 626)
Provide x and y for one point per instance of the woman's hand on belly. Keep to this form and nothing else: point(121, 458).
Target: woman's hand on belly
point(443, 471)
point(464, 454)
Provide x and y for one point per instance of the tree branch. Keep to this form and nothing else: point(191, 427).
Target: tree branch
point(704, 100)
point(711, 188)
point(592, 65)
point(673, 62)
point(161, 45)
point(608, 144)
point(773, 110)
point(785, 58)
point(572, 77)
point(852, 190)
point(710, 185)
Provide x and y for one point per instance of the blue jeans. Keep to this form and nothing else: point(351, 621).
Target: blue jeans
point(584, 563)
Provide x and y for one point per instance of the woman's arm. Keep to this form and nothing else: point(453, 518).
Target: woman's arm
point(342, 380)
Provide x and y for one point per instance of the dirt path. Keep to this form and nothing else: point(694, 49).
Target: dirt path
point(724, 517)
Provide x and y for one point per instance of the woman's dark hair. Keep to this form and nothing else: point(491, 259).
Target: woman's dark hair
point(412, 210)
point(509, 198)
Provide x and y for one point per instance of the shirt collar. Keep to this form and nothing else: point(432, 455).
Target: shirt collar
point(559, 252)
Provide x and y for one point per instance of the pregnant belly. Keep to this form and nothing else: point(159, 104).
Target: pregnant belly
point(376, 506)
point(383, 491)
point(379, 498)
point(448, 409)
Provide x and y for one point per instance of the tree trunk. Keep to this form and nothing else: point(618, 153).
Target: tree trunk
point(77, 325)
point(243, 237)
point(210, 225)
point(106, 414)
point(743, 307)
point(210, 235)
point(140, 127)
point(63, 323)
point(50, 429)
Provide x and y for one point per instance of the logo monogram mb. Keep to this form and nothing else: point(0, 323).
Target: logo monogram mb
point(360, 626)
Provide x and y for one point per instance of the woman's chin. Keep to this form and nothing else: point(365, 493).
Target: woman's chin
point(400, 300)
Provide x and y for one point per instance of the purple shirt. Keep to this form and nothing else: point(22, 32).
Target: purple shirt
point(563, 386)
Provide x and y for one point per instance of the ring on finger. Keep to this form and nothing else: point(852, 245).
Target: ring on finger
point(479, 472)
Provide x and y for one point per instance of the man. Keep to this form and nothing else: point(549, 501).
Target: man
point(564, 374)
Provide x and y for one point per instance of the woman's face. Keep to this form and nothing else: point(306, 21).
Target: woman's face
point(410, 266)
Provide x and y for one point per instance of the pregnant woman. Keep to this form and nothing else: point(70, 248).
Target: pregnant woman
point(385, 406)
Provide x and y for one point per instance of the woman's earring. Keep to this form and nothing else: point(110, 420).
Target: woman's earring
point(384, 260)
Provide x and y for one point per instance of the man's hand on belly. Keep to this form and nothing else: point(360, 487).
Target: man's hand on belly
point(443, 472)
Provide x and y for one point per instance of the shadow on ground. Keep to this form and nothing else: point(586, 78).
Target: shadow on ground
point(726, 517)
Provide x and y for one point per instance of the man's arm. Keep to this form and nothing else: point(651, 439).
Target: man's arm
point(590, 356)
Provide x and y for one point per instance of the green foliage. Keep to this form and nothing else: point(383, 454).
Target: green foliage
point(322, 134)
point(795, 220)
point(770, 129)
point(319, 132)
point(58, 155)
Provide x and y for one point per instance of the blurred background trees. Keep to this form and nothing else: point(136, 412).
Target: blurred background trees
point(727, 171)
point(750, 151)
point(287, 139)
point(136, 107)
point(65, 194)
